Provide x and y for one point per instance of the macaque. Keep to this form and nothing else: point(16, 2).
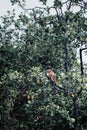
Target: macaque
point(51, 75)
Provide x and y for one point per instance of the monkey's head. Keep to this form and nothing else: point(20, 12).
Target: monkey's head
point(48, 72)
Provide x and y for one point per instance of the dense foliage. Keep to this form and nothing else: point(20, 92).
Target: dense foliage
point(29, 45)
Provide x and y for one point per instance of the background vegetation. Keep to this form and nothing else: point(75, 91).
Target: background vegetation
point(30, 44)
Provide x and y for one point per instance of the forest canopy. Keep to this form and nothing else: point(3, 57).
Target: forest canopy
point(32, 43)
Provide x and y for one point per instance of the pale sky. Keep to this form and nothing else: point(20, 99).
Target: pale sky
point(5, 5)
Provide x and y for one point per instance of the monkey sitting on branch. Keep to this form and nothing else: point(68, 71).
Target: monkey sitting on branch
point(52, 77)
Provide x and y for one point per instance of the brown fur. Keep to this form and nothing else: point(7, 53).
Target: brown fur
point(51, 75)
